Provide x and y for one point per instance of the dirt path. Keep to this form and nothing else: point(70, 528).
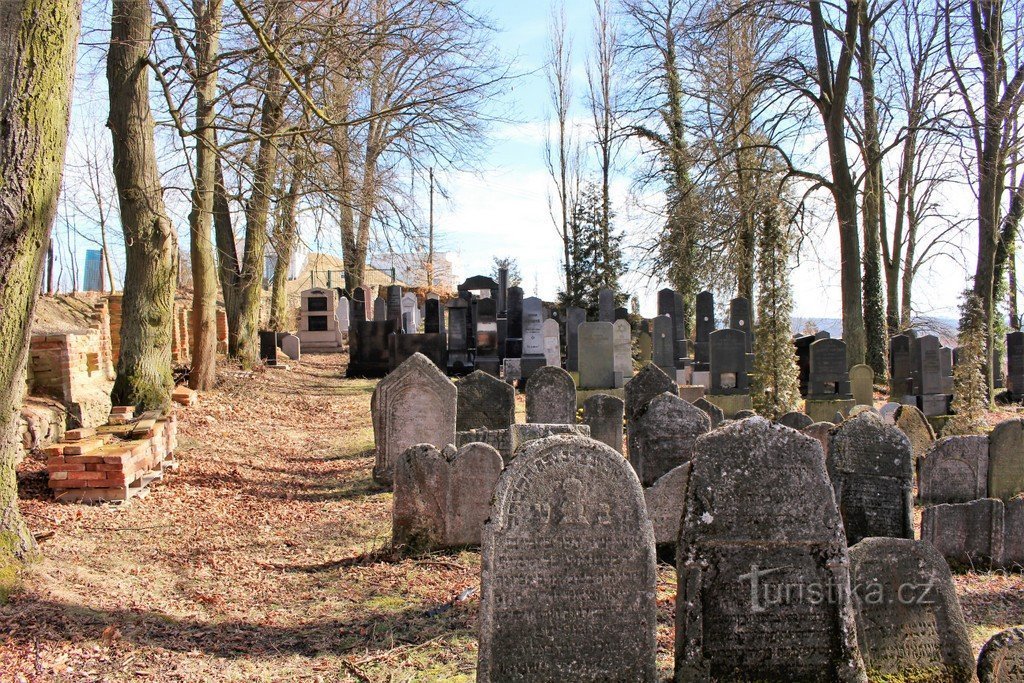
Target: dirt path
point(266, 559)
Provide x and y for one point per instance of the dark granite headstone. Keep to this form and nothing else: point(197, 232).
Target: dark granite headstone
point(901, 381)
point(954, 470)
point(756, 555)
point(380, 309)
point(402, 346)
point(368, 348)
point(394, 306)
point(741, 318)
point(485, 402)
point(550, 611)
point(663, 346)
point(663, 436)
point(705, 326)
point(829, 376)
point(1002, 657)
point(1015, 364)
point(930, 365)
point(550, 397)
point(459, 361)
point(606, 305)
point(433, 321)
point(870, 465)
point(515, 319)
point(603, 414)
point(728, 362)
point(487, 336)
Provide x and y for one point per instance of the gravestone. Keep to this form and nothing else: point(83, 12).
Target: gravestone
point(548, 610)
point(394, 306)
point(705, 326)
point(484, 402)
point(622, 342)
point(1002, 658)
point(803, 359)
point(1006, 459)
point(433, 319)
point(512, 370)
point(744, 414)
point(663, 347)
point(268, 347)
point(930, 365)
point(1015, 364)
point(442, 498)
point(343, 314)
point(901, 382)
point(402, 346)
point(552, 343)
point(498, 439)
point(550, 397)
point(728, 363)
point(714, 413)
point(740, 318)
point(909, 622)
point(871, 467)
point(796, 420)
point(621, 313)
point(954, 470)
point(291, 346)
point(380, 309)
point(820, 431)
point(862, 379)
point(644, 346)
point(362, 305)
point(665, 500)
point(606, 305)
point(487, 337)
point(368, 348)
point(1013, 525)
point(829, 377)
point(533, 336)
point(574, 316)
point(522, 434)
point(752, 550)
point(649, 382)
point(858, 409)
point(458, 339)
point(888, 414)
point(969, 535)
point(597, 355)
point(410, 308)
point(914, 424)
point(663, 436)
point(514, 333)
point(414, 404)
point(946, 369)
point(603, 414)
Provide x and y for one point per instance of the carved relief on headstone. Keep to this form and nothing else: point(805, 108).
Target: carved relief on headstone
point(1002, 658)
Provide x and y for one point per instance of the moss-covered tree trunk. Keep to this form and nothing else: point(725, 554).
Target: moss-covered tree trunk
point(37, 63)
point(144, 368)
point(203, 374)
point(227, 254)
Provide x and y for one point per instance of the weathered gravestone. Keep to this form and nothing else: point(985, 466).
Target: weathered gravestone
point(968, 535)
point(522, 434)
point(1002, 657)
point(514, 328)
point(1015, 364)
point(458, 336)
point(1006, 459)
point(857, 410)
point(498, 439)
point(862, 379)
point(343, 314)
point(888, 414)
point(716, 414)
point(645, 345)
point(665, 500)
point(485, 402)
point(1013, 526)
point(567, 569)
point(291, 346)
point(414, 404)
point(573, 318)
point(442, 498)
point(597, 355)
point(380, 309)
point(829, 377)
point(909, 623)
point(552, 343)
point(649, 382)
point(914, 424)
point(603, 414)
point(755, 556)
point(411, 311)
point(606, 305)
point(664, 434)
point(954, 470)
point(795, 420)
point(622, 361)
point(822, 432)
point(870, 465)
point(744, 414)
point(533, 327)
point(662, 345)
point(551, 397)
point(901, 382)
point(393, 303)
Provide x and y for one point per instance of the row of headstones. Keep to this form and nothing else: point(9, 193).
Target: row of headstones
point(767, 589)
point(921, 372)
point(973, 487)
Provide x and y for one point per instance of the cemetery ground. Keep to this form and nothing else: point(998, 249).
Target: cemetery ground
point(267, 557)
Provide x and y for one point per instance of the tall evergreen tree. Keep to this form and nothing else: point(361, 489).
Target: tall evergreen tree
point(596, 255)
point(970, 391)
point(776, 378)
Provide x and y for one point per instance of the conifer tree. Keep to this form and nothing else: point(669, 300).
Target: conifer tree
point(970, 392)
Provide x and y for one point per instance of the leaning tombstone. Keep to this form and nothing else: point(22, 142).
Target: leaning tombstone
point(821, 432)
point(485, 402)
point(649, 382)
point(968, 535)
point(1002, 658)
point(796, 420)
point(909, 623)
point(665, 500)
point(549, 612)
point(914, 424)
point(415, 404)
point(551, 397)
point(954, 470)
point(754, 557)
point(1006, 459)
point(888, 413)
point(716, 414)
point(664, 434)
point(603, 414)
point(870, 466)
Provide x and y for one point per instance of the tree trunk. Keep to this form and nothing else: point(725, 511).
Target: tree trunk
point(144, 367)
point(285, 234)
point(203, 374)
point(227, 255)
point(37, 65)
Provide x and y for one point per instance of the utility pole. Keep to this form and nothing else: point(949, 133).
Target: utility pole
point(430, 247)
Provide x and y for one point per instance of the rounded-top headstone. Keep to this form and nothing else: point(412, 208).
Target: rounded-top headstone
point(1002, 657)
point(914, 424)
point(888, 413)
point(664, 435)
point(821, 432)
point(744, 414)
point(954, 470)
point(550, 397)
point(796, 420)
point(1006, 459)
point(568, 573)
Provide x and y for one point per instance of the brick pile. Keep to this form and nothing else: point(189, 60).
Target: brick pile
point(182, 395)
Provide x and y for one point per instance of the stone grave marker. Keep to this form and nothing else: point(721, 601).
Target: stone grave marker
point(485, 402)
point(663, 347)
point(552, 343)
point(410, 307)
point(487, 336)
point(664, 434)
point(394, 306)
point(513, 370)
point(550, 611)
point(871, 468)
point(268, 347)
point(606, 305)
point(901, 382)
point(603, 413)
point(665, 500)
point(714, 413)
point(821, 432)
point(909, 622)
point(705, 307)
point(498, 439)
point(522, 434)
point(914, 424)
point(1002, 657)
point(728, 362)
point(414, 404)
point(803, 359)
point(795, 420)
point(969, 535)
point(291, 346)
point(380, 309)
point(1013, 526)
point(752, 549)
point(343, 314)
point(597, 355)
point(858, 409)
point(621, 313)
point(649, 382)
point(550, 397)
point(931, 368)
point(474, 474)
point(829, 377)
point(740, 318)
point(574, 316)
point(622, 342)
point(458, 336)
point(954, 470)
point(514, 329)
point(433, 318)
point(888, 413)
point(862, 379)
point(645, 346)
point(1015, 364)
point(1006, 459)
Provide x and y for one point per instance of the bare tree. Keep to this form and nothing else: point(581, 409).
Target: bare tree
point(558, 156)
point(602, 99)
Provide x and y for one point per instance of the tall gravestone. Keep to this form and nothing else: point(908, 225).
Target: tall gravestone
point(603, 414)
point(606, 305)
point(533, 336)
point(1006, 459)
point(900, 374)
point(394, 306)
point(870, 464)
point(552, 343)
point(796, 420)
point(487, 336)
point(829, 375)
point(714, 413)
point(514, 335)
point(662, 346)
point(433, 319)
point(458, 342)
point(622, 341)
point(663, 436)
point(705, 326)
point(380, 309)
point(411, 311)
point(548, 610)
point(803, 359)
point(414, 404)
point(551, 397)
point(1002, 658)
point(954, 470)
point(650, 382)
point(597, 355)
point(728, 363)
point(644, 344)
point(485, 402)
point(1015, 364)
point(755, 554)
point(343, 314)
point(574, 317)
point(862, 379)
point(740, 318)
point(909, 623)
